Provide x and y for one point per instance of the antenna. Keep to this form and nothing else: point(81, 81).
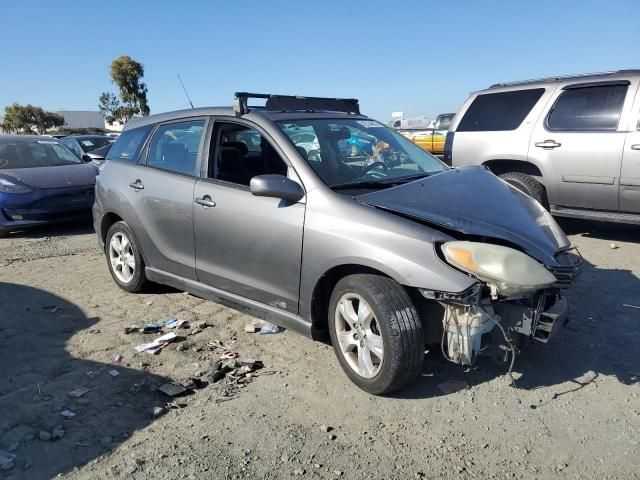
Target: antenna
point(185, 91)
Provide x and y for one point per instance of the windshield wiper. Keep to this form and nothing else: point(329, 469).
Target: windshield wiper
point(388, 182)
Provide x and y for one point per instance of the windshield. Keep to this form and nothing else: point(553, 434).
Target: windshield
point(93, 143)
point(36, 153)
point(359, 153)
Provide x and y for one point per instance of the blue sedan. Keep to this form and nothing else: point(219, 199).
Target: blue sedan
point(41, 182)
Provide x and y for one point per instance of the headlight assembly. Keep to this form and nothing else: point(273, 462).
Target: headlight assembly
point(510, 271)
point(11, 185)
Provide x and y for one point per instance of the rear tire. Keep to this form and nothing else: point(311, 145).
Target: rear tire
point(376, 333)
point(124, 258)
point(528, 185)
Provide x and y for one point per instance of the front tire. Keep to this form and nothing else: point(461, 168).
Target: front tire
point(124, 258)
point(527, 185)
point(376, 333)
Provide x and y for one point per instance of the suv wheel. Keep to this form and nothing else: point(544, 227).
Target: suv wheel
point(376, 333)
point(527, 184)
point(124, 259)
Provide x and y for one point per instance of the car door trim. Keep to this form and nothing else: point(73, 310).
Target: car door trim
point(279, 317)
point(588, 179)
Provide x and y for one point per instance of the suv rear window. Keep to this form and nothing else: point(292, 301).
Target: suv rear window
point(129, 144)
point(590, 108)
point(491, 112)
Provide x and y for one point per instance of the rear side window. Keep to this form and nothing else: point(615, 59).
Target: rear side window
point(129, 144)
point(175, 146)
point(591, 109)
point(492, 112)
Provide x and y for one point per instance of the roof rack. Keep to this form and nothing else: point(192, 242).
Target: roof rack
point(296, 103)
point(565, 77)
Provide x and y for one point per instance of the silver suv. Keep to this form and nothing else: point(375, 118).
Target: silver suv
point(572, 143)
point(384, 247)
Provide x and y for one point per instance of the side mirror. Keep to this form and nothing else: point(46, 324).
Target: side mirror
point(277, 186)
point(87, 158)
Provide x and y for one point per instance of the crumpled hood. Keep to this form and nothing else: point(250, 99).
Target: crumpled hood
point(473, 201)
point(62, 176)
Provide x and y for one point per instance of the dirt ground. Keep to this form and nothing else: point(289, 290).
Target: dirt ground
point(575, 411)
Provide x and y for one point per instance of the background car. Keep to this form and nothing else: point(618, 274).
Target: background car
point(98, 155)
point(41, 181)
point(572, 143)
point(81, 144)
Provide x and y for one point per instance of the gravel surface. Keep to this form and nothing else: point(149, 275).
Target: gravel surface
point(575, 412)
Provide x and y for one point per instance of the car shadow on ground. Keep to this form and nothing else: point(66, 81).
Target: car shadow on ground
point(81, 227)
point(599, 340)
point(614, 232)
point(39, 373)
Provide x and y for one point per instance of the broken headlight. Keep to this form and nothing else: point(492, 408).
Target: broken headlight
point(508, 271)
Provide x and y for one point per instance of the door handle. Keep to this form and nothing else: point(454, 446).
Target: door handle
point(548, 144)
point(635, 147)
point(137, 185)
point(205, 201)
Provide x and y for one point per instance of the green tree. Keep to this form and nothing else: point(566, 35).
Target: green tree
point(29, 119)
point(126, 74)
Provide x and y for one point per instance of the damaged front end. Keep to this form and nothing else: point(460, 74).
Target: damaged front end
point(516, 299)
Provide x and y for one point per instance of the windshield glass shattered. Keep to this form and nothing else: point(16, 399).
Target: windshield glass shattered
point(352, 154)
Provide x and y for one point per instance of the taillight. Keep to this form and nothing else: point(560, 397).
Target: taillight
point(448, 149)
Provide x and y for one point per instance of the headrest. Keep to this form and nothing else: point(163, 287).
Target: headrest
point(231, 160)
point(174, 152)
point(240, 146)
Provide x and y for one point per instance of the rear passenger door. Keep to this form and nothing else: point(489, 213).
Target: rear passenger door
point(580, 143)
point(247, 245)
point(630, 172)
point(161, 193)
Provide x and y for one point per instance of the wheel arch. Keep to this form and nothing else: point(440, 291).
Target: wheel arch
point(108, 219)
point(324, 288)
point(500, 166)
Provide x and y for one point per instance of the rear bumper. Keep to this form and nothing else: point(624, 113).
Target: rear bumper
point(45, 206)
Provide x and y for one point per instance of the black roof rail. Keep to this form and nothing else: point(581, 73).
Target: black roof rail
point(295, 103)
point(565, 77)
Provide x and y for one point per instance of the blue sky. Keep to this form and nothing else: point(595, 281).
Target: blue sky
point(420, 57)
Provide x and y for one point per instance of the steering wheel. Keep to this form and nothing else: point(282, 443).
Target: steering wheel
point(372, 166)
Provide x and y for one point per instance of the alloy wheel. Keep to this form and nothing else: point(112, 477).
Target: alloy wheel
point(358, 335)
point(123, 262)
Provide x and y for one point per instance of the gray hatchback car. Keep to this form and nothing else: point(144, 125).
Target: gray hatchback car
point(383, 250)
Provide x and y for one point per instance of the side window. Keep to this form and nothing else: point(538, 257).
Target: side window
point(242, 153)
point(174, 147)
point(588, 109)
point(128, 145)
point(492, 112)
point(72, 145)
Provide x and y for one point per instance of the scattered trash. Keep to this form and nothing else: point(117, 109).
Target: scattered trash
point(157, 345)
point(325, 428)
point(517, 401)
point(202, 325)
point(173, 322)
point(6, 460)
point(613, 246)
point(452, 386)
point(228, 355)
point(131, 329)
point(172, 389)
point(193, 384)
point(262, 326)
point(67, 413)
point(158, 411)
point(78, 392)
point(152, 327)
point(113, 372)
point(116, 359)
point(630, 306)
point(192, 367)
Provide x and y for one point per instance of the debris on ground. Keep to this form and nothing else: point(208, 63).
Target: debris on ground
point(613, 246)
point(452, 386)
point(630, 306)
point(116, 359)
point(152, 327)
point(325, 428)
point(262, 326)
point(6, 460)
point(172, 389)
point(131, 329)
point(78, 392)
point(157, 345)
point(113, 372)
point(67, 413)
point(173, 322)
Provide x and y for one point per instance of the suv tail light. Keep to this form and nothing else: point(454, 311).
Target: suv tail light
point(448, 149)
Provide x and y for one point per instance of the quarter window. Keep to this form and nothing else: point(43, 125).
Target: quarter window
point(129, 144)
point(492, 112)
point(591, 108)
point(175, 147)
